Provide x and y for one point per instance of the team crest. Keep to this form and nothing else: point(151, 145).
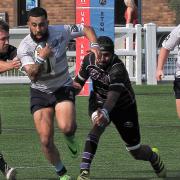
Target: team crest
point(102, 2)
point(74, 28)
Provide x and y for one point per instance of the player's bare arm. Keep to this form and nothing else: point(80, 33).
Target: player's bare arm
point(9, 64)
point(90, 34)
point(162, 58)
point(33, 71)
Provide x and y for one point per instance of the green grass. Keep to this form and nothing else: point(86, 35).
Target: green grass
point(160, 128)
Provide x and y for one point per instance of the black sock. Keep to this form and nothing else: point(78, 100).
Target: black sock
point(3, 164)
point(62, 172)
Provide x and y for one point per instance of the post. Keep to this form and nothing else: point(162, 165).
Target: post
point(151, 53)
point(138, 51)
point(129, 47)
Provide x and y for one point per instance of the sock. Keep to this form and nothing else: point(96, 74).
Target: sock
point(153, 158)
point(3, 164)
point(89, 152)
point(60, 169)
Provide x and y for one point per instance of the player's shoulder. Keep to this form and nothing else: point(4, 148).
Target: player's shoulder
point(26, 41)
point(117, 61)
point(11, 48)
point(176, 31)
point(117, 65)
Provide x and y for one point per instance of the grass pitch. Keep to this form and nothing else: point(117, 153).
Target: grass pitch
point(160, 128)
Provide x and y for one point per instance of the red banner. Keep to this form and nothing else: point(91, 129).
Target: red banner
point(82, 44)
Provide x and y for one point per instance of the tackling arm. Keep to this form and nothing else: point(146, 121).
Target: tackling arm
point(9, 64)
point(91, 35)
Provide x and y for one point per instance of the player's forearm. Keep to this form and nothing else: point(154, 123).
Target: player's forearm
point(5, 66)
point(162, 58)
point(33, 71)
point(111, 101)
point(90, 34)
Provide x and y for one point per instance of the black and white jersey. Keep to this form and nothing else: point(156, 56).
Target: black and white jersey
point(10, 54)
point(171, 42)
point(114, 78)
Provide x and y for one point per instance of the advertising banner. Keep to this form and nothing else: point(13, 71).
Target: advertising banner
point(100, 15)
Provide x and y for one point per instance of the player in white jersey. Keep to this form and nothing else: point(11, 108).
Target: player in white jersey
point(43, 57)
point(171, 41)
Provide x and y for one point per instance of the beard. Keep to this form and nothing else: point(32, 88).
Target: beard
point(42, 39)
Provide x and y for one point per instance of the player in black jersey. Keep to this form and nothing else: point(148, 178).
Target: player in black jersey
point(8, 61)
point(112, 100)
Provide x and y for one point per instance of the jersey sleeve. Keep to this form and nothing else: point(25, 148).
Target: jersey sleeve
point(74, 31)
point(12, 52)
point(118, 77)
point(24, 54)
point(83, 74)
point(172, 40)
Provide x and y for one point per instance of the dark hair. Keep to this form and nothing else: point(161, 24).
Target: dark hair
point(106, 43)
point(37, 12)
point(4, 25)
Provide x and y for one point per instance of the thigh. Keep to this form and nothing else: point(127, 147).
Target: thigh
point(65, 116)
point(178, 107)
point(126, 122)
point(65, 109)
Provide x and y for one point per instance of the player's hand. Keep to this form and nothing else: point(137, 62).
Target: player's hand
point(159, 75)
point(100, 118)
point(77, 85)
point(45, 52)
point(15, 63)
point(97, 52)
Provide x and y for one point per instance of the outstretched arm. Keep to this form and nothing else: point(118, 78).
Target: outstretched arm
point(9, 64)
point(91, 35)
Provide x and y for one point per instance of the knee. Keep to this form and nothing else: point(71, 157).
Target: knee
point(46, 142)
point(68, 129)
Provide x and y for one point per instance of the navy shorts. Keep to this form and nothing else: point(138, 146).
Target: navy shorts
point(125, 121)
point(177, 88)
point(41, 99)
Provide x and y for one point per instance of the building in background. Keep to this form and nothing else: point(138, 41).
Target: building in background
point(160, 12)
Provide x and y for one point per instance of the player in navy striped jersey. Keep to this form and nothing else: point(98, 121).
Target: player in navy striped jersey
point(112, 100)
point(8, 61)
point(43, 57)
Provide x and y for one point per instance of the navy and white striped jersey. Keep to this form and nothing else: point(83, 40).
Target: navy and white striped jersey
point(10, 54)
point(172, 41)
point(55, 73)
point(115, 78)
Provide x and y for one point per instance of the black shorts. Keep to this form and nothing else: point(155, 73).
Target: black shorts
point(41, 99)
point(177, 88)
point(125, 121)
